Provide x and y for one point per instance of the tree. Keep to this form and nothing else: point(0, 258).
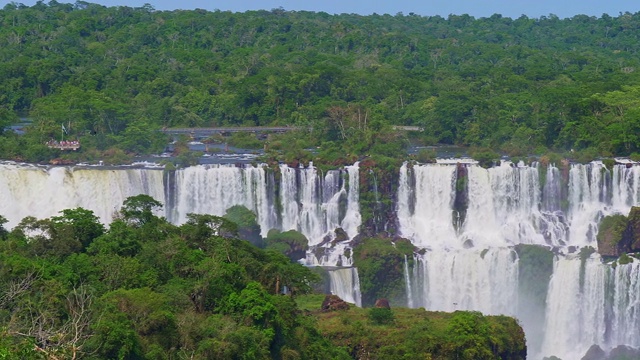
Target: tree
point(139, 210)
point(80, 224)
point(3, 231)
point(7, 118)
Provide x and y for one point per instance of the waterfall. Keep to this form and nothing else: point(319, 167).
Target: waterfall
point(352, 219)
point(591, 303)
point(289, 197)
point(317, 205)
point(407, 281)
point(504, 208)
point(624, 288)
point(569, 322)
point(587, 301)
point(42, 192)
point(346, 284)
point(626, 187)
point(586, 207)
point(466, 280)
point(469, 267)
point(212, 189)
point(552, 191)
point(429, 225)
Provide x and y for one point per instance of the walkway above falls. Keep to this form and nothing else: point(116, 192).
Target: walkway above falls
point(200, 133)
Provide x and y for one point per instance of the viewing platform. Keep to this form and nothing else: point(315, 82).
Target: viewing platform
point(63, 145)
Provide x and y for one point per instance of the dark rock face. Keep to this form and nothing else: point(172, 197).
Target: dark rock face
point(383, 304)
point(341, 235)
point(631, 236)
point(619, 234)
point(461, 202)
point(594, 353)
point(624, 352)
point(610, 234)
point(334, 303)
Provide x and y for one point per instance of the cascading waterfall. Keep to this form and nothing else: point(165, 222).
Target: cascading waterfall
point(569, 325)
point(587, 204)
point(625, 187)
point(352, 218)
point(472, 266)
point(346, 284)
point(316, 206)
point(407, 282)
point(429, 224)
point(42, 192)
point(212, 189)
point(310, 203)
point(482, 280)
point(588, 302)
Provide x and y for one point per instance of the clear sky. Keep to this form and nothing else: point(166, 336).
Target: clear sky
point(476, 8)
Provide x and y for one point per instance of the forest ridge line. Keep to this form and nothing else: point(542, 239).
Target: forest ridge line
point(518, 86)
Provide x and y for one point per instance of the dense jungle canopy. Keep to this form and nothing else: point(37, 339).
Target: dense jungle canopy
point(111, 74)
point(142, 288)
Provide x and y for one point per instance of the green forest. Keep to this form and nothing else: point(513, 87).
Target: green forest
point(112, 75)
point(70, 288)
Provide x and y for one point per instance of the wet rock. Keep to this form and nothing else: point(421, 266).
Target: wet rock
point(594, 353)
point(624, 352)
point(382, 303)
point(334, 303)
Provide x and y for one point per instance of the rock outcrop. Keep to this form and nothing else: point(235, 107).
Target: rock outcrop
point(334, 303)
point(619, 234)
point(631, 235)
point(383, 304)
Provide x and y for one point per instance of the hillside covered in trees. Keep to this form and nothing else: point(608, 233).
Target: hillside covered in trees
point(520, 86)
point(146, 289)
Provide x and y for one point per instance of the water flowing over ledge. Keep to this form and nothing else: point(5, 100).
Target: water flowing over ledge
point(466, 222)
point(470, 263)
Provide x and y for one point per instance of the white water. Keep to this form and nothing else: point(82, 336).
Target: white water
point(43, 192)
point(430, 224)
point(212, 189)
point(316, 205)
point(346, 284)
point(313, 204)
point(449, 280)
point(469, 267)
point(310, 203)
point(474, 268)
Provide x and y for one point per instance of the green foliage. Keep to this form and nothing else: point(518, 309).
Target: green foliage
point(625, 259)
point(291, 243)
point(485, 157)
point(426, 156)
point(609, 163)
point(147, 289)
point(468, 332)
point(381, 316)
point(610, 232)
point(139, 210)
point(245, 219)
point(381, 269)
point(112, 85)
point(3, 232)
point(81, 224)
point(419, 334)
point(245, 140)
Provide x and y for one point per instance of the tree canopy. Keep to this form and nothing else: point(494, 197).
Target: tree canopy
point(112, 74)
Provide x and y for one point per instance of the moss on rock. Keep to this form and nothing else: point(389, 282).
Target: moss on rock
point(380, 263)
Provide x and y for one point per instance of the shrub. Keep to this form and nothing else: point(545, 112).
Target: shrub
point(381, 316)
point(485, 157)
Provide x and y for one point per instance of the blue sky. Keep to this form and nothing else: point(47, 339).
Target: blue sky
point(476, 8)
